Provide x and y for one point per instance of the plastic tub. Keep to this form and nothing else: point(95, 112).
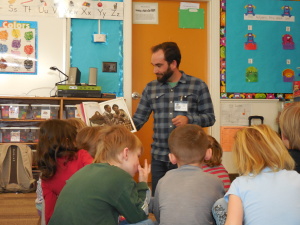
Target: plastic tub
point(44, 111)
point(71, 111)
point(33, 134)
point(14, 134)
point(14, 111)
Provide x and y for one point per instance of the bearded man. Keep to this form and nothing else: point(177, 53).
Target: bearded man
point(175, 99)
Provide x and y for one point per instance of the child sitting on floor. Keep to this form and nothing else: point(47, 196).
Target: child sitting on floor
point(101, 191)
point(186, 195)
point(214, 165)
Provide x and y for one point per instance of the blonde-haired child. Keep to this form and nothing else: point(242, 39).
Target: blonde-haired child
point(100, 192)
point(289, 122)
point(267, 190)
point(88, 138)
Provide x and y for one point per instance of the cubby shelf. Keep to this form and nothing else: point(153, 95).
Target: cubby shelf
point(29, 122)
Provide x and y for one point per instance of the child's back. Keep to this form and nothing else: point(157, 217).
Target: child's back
point(269, 197)
point(112, 190)
point(289, 122)
point(186, 195)
point(267, 192)
point(100, 192)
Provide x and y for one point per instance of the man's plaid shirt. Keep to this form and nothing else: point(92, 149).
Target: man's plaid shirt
point(159, 98)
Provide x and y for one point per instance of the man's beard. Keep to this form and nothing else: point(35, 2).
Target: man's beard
point(165, 76)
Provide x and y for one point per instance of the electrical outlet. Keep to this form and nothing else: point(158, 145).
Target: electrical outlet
point(99, 38)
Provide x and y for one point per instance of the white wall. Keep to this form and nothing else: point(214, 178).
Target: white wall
point(52, 52)
point(268, 108)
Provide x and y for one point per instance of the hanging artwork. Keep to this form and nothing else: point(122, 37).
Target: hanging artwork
point(18, 47)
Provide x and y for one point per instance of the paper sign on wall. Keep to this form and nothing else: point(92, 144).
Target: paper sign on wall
point(145, 13)
point(227, 136)
point(191, 18)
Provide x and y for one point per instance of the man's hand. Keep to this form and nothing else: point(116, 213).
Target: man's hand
point(180, 120)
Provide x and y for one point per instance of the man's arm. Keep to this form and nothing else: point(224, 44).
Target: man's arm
point(204, 116)
point(143, 111)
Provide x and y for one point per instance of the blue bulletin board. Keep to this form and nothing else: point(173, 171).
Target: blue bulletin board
point(260, 48)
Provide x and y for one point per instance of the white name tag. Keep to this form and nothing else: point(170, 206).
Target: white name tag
point(181, 106)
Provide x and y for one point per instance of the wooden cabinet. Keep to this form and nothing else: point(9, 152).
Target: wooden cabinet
point(22, 122)
point(29, 121)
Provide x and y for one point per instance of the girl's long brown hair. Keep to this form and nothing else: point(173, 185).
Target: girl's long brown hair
point(56, 140)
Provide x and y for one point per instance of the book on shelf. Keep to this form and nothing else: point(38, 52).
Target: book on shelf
point(109, 112)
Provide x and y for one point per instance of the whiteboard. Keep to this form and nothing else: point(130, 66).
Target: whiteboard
point(52, 51)
point(268, 108)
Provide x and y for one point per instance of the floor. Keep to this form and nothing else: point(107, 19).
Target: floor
point(19, 209)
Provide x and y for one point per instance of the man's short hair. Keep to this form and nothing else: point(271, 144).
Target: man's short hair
point(171, 51)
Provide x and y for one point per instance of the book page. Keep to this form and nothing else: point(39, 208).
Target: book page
point(111, 112)
point(118, 114)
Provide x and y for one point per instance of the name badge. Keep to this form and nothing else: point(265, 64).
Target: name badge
point(181, 106)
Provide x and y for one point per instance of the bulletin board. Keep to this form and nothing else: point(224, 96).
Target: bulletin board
point(259, 48)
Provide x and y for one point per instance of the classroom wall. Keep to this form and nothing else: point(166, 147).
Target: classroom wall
point(57, 55)
point(51, 45)
point(268, 108)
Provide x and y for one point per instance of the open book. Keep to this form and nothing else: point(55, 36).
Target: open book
point(109, 112)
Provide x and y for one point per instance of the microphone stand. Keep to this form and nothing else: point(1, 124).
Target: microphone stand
point(55, 68)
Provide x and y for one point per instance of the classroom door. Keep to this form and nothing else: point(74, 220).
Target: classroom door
point(193, 44)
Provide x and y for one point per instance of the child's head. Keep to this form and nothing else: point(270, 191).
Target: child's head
point(289, 122)
point(78, 123)
point(88, 138)
point(118, 146)
point(257, 147)
point(56, 139)
point(217, 152)
point(189, 144)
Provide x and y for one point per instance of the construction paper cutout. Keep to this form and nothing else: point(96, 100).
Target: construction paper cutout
point(288, 75)
point(223, 20)
point(287, 42)
point(236, 96)
point(191, 18)
point(251, 74)
point(227, 136)
point(249, 95)
point(270, 96)
point(250, 44)
point(223, 52)
point(286, 11)
point(250, 9)
point(260, 96)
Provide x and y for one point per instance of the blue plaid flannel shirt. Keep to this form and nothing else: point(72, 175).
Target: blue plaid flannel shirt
point(159, 98)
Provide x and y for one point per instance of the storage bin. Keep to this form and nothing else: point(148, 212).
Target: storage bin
point(44, 111)
point(71, 111)
point(14, 111)
point(14, 134)
point(33, 135)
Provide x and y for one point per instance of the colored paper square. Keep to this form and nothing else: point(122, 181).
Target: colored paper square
point(191, 18)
